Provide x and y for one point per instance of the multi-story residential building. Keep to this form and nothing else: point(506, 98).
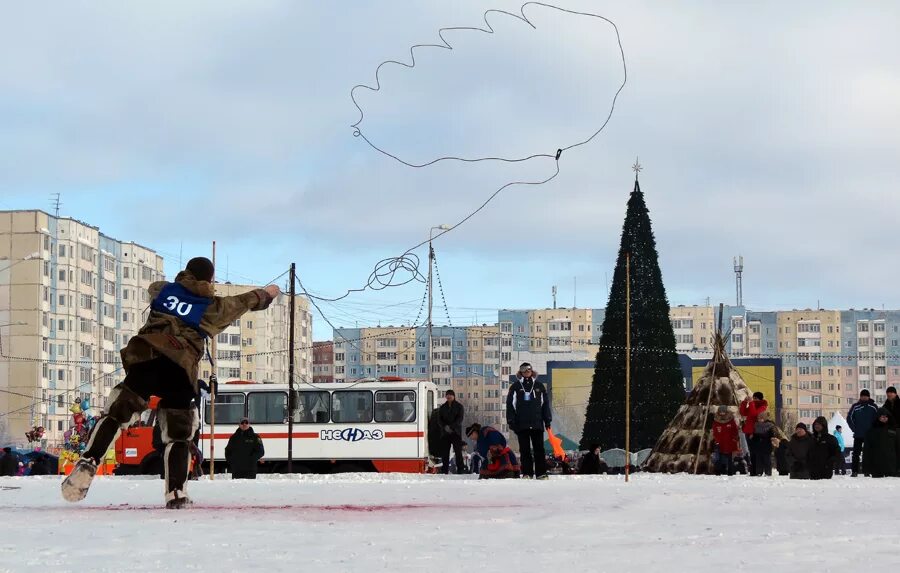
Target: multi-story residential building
point(827, 355)
point(254, 347)
point(475, 361)
point(695, 327)
point(381, 351)
point(72, 298)
point(323, 362)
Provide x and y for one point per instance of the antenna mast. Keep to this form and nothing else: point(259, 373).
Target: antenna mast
point(738, 278)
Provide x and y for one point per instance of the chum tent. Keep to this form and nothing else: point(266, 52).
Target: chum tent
point(686, 445)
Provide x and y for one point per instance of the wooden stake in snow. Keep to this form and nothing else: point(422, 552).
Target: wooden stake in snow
point(627, 364)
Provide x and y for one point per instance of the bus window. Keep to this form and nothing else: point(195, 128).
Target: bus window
point(351, 406)
point(312, 408)
point(395, 406)
point(267, 407)
point(229, 408)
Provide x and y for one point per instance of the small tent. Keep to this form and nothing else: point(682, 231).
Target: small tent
point(838, 420)
point(567, 444)
point(686, 444)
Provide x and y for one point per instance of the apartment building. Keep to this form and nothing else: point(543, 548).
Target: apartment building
point(828, 356)
point(70, 297)
point(323, 362)
point(695, 328)
point(254, 347)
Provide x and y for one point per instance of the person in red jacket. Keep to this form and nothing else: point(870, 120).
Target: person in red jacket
point(750, 410)
point(725, 434)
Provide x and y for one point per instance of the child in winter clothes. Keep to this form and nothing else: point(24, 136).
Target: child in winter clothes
point(725, 433)
point(761, 442)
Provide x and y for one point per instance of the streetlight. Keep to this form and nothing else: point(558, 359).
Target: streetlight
point(444, 228)
point(29, 257)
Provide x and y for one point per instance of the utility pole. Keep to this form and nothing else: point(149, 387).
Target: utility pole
point(293, 294)
point(213, 382)
point(430, 294)
point(430, 306)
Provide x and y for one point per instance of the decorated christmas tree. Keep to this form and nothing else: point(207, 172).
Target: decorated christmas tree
point(657, 388)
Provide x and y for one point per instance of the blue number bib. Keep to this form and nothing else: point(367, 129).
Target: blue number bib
point(175, 300)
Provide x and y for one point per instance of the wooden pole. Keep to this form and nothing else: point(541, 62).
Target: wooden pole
point(627, 364)
point(212, 387)
point(293, 294)
point(712, 386)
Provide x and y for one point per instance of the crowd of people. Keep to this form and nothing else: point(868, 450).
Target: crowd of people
point(11, 464)
point(808, 453)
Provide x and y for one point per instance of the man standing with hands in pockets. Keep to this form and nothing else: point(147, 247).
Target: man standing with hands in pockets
point(528, 414)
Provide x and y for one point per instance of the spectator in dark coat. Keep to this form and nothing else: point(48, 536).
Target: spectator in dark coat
point(243, 452)
point(41, 465)
point(861, 418)
point(592, 463)
point(451, 414)
point(892, 405)
point(798, 450)
point(825, 451)
point(761, 442)
point(500, 461)
point(435, 433)
point(528, 414)
point(781, 458)
point(882, 454)
point(9, 463)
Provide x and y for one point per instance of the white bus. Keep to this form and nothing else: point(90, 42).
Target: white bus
point(370, 425)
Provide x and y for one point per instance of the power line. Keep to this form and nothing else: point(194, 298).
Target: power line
point(407, 262)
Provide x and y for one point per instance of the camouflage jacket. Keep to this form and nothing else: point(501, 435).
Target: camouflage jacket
point(168, 335)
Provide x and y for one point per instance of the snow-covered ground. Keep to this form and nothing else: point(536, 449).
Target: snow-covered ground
point(367, 522)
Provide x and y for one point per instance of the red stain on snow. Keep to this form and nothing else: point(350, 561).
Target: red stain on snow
point(304, 508)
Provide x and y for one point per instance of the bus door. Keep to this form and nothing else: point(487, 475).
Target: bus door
point(429, 411)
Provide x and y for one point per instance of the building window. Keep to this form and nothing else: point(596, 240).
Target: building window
point(862, 327)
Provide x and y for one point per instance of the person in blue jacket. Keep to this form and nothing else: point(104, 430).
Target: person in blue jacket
point(840, 467)
point(861, 418)
point(499, 461)
point(528, 414)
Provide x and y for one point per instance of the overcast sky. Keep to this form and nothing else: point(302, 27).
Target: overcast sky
point(770, 131)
